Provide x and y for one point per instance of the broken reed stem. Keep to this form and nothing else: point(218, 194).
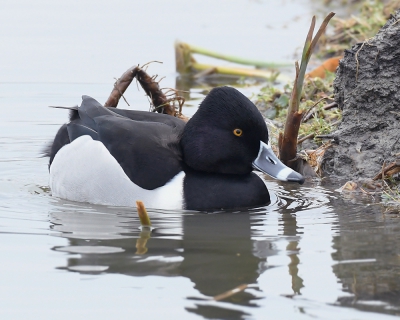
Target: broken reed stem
point(122, 95)
point(152, 89)
point(120, 87)
point(142, 213)
point(288, 139)
point(309, 46)
point(160, 102)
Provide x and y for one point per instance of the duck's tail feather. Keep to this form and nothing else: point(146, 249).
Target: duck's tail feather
point(65, 107)
point(73, 111)
point(81, 122)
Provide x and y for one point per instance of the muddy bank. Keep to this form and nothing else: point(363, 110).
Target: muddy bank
point(367, 90)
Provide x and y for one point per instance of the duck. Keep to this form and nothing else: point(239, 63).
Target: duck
point(114, 157)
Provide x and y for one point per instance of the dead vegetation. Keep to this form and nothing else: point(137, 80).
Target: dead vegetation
point(372, 15)
point(384, 192)
point(163, 100)
point(187, 64)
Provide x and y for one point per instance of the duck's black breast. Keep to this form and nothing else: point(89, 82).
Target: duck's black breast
point(213, 191)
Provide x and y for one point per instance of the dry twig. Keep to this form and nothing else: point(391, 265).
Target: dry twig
point(388, 171)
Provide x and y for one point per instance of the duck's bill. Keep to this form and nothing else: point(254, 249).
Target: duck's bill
point(268, 163)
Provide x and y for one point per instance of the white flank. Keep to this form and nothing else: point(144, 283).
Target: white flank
point(85, 171)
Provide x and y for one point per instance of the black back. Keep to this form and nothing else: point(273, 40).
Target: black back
point(145, 144)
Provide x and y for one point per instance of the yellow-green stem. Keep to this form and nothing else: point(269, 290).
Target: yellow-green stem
point(142, 213)
point(241, 72)
point(250, 62)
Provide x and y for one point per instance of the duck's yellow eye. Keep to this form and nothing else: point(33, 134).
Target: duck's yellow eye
point(237, 132)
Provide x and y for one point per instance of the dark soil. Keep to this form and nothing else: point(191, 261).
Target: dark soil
point(368, 92)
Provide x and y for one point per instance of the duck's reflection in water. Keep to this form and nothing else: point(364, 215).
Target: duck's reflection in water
point(140, 253)
point(215, 251)
point(219, 252)
point(218, 255)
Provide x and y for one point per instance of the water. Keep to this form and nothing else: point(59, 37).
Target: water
point(310, 254)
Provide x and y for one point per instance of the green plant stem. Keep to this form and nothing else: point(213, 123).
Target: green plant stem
point(256, 63)
point(241, 72)
point(288, 139)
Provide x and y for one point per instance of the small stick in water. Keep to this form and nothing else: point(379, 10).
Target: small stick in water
point(142, 213)
point(146, 228)
point(230, 293)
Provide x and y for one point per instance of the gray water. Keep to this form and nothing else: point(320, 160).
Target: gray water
point(311, 254)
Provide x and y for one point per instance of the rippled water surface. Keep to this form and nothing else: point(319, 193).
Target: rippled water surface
point(310, 254)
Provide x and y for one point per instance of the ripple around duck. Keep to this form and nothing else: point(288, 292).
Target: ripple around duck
point(215, 251)
point(275, 248)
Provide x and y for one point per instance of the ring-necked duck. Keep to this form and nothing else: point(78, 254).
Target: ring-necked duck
point(115, 157)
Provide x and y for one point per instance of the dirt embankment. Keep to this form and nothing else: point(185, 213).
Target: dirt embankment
point(367, 90)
